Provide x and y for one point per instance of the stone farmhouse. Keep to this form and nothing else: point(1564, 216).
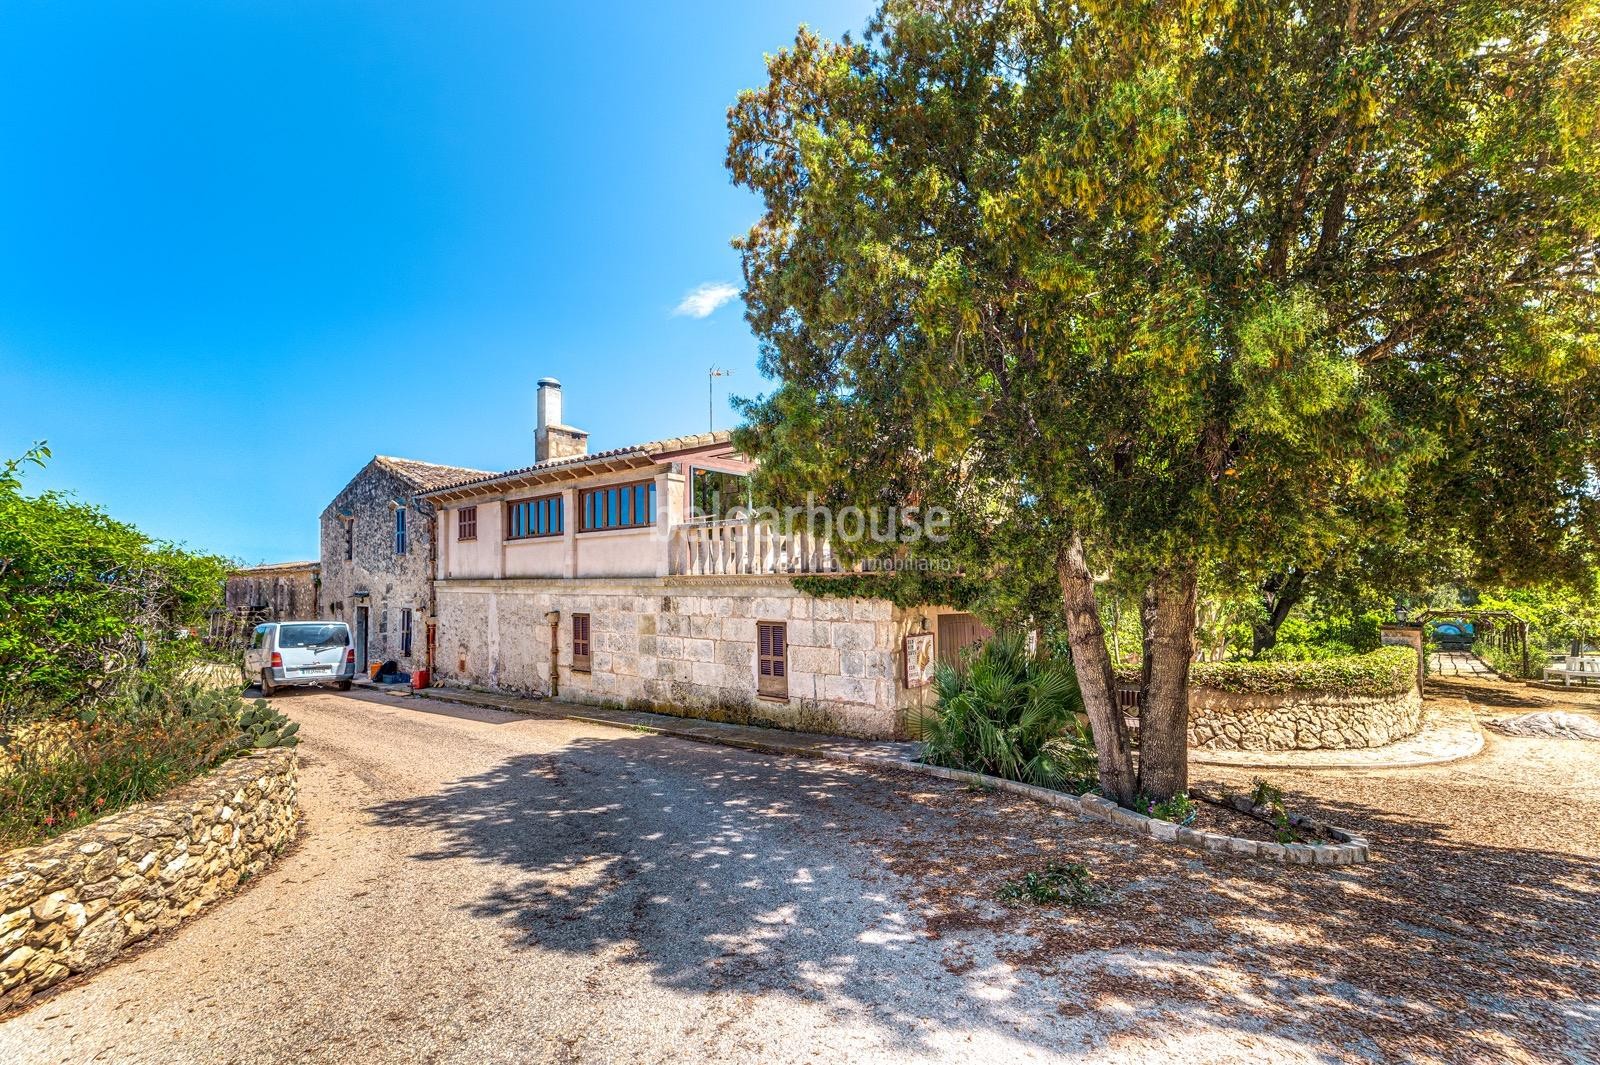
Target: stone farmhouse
point(608, 577)
point(377, 559)
point(611, 577)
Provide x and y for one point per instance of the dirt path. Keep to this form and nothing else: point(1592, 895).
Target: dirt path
point(476, 886)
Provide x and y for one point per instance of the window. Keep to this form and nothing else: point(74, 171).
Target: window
point(258, 639)
point(400, 542)
point(623, 506)
point(534, 517)
point(318, 635)
point(772, 659)
point(716, 493)
point(349, 539)
point(405, 631)
point(467, 523)
point(580, 642)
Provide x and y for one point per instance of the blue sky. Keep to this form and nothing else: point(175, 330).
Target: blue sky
point(246, 246)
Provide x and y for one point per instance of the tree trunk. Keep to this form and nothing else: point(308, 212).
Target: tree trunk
point(1279, 596)
point(1169, 632)
point(1087, 639)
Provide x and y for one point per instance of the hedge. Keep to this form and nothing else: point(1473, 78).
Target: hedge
point(1386, 671)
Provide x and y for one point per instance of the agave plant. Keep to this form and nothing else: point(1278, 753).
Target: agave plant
point(1011, 713)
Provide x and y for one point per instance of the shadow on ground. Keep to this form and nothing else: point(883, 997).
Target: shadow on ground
point(725, 871)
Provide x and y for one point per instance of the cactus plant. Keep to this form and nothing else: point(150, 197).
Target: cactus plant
point(262, 726)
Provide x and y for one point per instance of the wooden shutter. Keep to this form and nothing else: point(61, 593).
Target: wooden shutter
point(580, 642)
point(772, 659)
point(467, 528)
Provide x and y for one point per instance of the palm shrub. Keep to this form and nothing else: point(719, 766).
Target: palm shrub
point(1010, 713)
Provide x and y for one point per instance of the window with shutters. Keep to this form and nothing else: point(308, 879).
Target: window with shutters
point(467, 523)
point(580, 642)
point(401, 542)
point(772, 659)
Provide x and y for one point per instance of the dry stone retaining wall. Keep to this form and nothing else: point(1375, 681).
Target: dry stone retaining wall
point(1300, 720)
point(73, 904)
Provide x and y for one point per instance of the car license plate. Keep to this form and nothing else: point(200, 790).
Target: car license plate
point(316, 669)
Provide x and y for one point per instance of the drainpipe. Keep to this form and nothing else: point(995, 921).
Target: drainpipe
point(430, 622)
point(554, 618)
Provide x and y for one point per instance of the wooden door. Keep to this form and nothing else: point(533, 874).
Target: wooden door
point(957, 632)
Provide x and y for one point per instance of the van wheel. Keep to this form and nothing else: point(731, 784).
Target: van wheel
point(344, 685)
point(267, 687)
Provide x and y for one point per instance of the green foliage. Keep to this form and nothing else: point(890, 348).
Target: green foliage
point(1179, 809)
point(87, 601)
point(1060, 882)
point(1508, 661)
point(1224, 288)
point(264, 726)
point(1008, 713)
point(1386, 671)
point(1269, 797)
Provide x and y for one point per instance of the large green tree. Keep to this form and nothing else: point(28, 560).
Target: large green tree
point(84, 599)
point(1142, 289)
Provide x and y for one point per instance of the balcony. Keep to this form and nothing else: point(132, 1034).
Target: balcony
point(746, 548)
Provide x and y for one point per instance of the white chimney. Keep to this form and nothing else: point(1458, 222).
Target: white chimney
point(552, 439)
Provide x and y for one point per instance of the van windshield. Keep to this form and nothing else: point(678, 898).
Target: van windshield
point(313, 635)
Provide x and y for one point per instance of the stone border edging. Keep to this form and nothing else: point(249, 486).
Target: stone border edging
point(1350, 850)
point(75, 903)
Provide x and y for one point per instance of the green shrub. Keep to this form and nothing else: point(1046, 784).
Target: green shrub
point(1180, 809)
point(1064, 882)
point(1009, 713)
point(1509, 663)
point(1386, 671)
point(154, 734)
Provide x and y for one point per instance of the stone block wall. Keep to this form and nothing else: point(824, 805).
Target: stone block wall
point(1300, 720)
point(682, 645)
point(74, 903)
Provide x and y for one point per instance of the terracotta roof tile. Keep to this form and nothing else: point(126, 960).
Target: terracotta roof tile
point(649, 449)
point(429, 475)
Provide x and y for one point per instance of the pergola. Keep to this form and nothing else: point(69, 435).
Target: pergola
point(1509, 631)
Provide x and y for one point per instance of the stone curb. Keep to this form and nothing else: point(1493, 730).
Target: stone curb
point(1350, 850)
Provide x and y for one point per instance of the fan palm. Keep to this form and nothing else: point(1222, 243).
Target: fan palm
point(1011, 713)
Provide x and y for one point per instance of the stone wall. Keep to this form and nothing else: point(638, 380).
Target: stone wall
point(75, 903)
point(378, 578)
point(682, 645)
point(1300, 720)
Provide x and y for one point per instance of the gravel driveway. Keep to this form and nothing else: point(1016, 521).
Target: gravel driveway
point(478, 886)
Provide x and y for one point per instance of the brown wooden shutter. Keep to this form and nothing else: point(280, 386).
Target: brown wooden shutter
point(467, 526)
point(580, 642)
point(772, 658)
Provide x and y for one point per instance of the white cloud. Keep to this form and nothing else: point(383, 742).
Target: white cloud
point(704, 299)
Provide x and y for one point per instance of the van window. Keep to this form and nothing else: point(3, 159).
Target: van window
point(258, 638)
point(313, 636)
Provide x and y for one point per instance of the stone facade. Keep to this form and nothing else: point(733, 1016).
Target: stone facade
point(73, 904)
point(285, 591)
point(687, 646)
point(1300, 720)
point(383, 593)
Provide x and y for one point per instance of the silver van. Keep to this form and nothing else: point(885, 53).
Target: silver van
point(287, 654)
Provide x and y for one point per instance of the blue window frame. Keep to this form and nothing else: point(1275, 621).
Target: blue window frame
point(623, 506)
point(528, 518)
point(400, 541)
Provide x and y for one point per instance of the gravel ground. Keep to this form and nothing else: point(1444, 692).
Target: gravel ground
point(476, 886)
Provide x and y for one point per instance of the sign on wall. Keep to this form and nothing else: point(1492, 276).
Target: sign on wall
point(919, 660)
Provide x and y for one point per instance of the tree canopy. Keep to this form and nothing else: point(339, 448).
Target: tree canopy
point(1139, 288)
point(84, 597)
